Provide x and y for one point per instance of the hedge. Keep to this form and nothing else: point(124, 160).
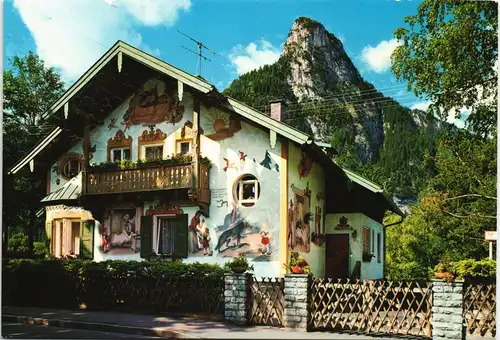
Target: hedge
point(146, 286)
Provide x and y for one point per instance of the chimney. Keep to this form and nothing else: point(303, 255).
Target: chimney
point(278, 110)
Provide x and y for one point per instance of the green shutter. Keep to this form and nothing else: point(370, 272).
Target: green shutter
point(146, 236)
point(180, 225)
point(87, 239)
point(48, 233)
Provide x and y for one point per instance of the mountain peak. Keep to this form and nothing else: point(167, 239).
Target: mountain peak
point(319, 61)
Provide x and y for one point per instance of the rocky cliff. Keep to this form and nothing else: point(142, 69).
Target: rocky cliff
point(328, 97)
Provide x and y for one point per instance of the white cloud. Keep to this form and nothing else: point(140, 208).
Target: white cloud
point(249, 58)
point(71, 35)
point(378, 58)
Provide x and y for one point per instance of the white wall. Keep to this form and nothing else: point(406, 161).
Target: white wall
point(369, 270)
point(253, 142)
point(101, 134)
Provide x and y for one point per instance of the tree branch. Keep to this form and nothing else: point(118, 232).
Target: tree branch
point(467, 216)
point(468, 195)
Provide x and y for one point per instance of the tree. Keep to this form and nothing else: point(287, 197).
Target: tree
point(29, 88)
point(448, 54)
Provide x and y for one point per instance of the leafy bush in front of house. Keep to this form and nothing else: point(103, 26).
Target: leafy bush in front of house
point(471, 269)
point(147, 286)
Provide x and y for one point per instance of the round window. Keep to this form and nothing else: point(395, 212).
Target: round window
point(247, 190)
point(70, 165)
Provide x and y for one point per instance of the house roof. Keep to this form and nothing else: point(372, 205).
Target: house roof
point(68, 192)
point(369, 185)
point(118, 53)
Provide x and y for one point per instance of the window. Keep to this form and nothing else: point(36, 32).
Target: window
point(71, 168)
point(184, 147)
point(166, 238)
point(373, 240)
point(366, 240)
point(65, 237)
point(247, 190)
point(378, 248)
point(165, 235)
point(153, 152)
point(120, 154)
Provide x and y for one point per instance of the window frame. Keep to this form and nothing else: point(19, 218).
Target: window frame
point(152, 145)
point(238, 190)
point(111, 153)
point(178, 146)
point(67, 167)
point(157, 234)
point(366, 240)
point(59, 241)
point(379, 247)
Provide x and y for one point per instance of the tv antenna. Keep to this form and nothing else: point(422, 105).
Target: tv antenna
point(200, 55)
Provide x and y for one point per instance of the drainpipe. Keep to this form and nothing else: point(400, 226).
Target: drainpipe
point(385, 241)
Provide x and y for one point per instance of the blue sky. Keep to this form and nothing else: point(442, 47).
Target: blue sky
point(71, 35)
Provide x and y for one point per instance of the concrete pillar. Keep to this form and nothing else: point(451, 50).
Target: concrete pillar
point(236, 297)
point(297, 301)
point(447, 311)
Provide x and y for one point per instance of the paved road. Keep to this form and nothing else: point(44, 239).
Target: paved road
point(22, 331)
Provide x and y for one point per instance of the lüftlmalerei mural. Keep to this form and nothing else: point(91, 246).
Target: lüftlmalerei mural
point(154, 103)
point(299, 220)
point(120, 232)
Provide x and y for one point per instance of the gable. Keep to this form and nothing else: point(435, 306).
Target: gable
point(115, 77)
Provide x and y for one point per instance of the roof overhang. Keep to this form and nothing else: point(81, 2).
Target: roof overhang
point(118, 50)
point(374, 188)
point(266, 121)
point(35, 151)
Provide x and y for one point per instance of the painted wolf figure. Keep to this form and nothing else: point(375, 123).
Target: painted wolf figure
point(233, 227)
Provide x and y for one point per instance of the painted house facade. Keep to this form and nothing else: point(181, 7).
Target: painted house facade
point(148, 160)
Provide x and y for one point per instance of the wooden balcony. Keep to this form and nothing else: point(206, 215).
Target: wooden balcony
point(161, 177)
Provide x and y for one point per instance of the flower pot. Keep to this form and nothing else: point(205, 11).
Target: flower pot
point(297, 270)
point(239, 269)
point(441, 275)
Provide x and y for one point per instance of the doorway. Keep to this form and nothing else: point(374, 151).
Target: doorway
point(337, 256)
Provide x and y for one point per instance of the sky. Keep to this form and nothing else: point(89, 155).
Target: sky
point(70, 35)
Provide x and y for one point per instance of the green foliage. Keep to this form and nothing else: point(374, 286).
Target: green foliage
point(141, 164)
point(18, 243)
point(297, 260)
point(29, 88)
point(40, 249)
point(448, 54)
point(148, 286)
point(239, 261)
point(474, 269)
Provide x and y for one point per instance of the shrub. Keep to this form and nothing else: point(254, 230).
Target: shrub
point(148, 286)
point(471, 269)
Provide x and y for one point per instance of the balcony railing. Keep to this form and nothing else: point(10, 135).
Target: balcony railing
point(161, 177)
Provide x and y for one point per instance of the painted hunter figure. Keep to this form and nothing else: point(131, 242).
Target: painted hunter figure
point(194, 246)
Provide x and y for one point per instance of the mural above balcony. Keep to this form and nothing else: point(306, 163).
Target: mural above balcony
point(154, 103)
point(120, 232)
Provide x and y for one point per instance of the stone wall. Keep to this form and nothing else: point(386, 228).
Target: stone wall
point(236, 298)
point(447, 311)
point(297, 301)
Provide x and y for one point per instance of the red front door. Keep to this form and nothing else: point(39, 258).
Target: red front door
point(337, 256)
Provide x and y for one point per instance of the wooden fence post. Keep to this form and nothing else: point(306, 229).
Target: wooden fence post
point(447, 311)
